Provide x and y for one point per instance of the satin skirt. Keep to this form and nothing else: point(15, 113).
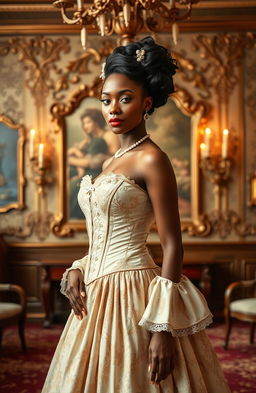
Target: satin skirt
point(107, 351)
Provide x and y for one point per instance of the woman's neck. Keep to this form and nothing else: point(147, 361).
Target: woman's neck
point(132, 136)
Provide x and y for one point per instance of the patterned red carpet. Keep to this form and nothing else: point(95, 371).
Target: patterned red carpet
point(25, 373)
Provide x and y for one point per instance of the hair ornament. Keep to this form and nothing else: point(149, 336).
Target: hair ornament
point(102, 75)
point(140, 54)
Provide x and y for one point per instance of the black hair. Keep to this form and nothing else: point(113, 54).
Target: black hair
point(154, 72)
point(95, 115)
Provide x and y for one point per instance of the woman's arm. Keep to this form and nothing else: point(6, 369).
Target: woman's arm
point(162, 189)
point(161, 185)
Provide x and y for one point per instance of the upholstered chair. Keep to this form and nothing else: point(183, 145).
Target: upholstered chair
point(242, 308)
point(13, 313)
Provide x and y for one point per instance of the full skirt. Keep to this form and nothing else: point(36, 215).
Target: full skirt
point(107, 351)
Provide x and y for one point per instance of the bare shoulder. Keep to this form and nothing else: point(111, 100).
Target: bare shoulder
point(155, 162)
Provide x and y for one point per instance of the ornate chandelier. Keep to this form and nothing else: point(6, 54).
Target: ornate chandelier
point(126, 17)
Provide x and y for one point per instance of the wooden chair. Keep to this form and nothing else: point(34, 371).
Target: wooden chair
point(13, 313)
point(242, 308)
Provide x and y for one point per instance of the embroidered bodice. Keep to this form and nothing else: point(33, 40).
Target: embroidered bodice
point(118, 216)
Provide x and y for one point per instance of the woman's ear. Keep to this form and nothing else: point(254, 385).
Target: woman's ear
point(148, 102)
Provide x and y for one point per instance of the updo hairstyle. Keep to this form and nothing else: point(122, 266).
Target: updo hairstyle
point(154, 71)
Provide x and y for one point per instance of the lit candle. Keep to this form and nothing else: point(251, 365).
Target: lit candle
point(175, 33)
point(41, 156)
point(83, 37)
point(207, 139)
point(253, 188)
point(203, 150)
point(225, 143)
point(79, 4)
point(32, 144)
point(102, 24)
point(144, 15)
point(127, 14)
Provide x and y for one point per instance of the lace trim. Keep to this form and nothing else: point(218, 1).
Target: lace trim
point(166, 327)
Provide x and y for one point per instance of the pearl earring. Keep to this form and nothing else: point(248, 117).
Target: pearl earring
point(146, 116)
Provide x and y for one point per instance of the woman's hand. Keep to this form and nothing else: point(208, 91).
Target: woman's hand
point(161, 356)
point(76, 292)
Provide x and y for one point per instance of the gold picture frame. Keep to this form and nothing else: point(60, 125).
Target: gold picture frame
point(12, 178)
point(62, 225)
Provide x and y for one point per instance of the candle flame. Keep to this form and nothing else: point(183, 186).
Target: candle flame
point(32, 132)
point(225, 132)
point(202, 146)
point(208, 131)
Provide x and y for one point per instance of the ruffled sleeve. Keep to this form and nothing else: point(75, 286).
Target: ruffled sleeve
point(179, 308)
point(78, 264)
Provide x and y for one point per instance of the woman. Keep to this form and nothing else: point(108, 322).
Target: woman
point(133, 328)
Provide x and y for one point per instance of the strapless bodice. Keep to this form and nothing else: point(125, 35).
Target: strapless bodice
point(118, 216)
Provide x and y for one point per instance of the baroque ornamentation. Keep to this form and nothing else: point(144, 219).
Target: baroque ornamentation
point(39, 56)
point(34, 222)
point(80, 66)
point(223, 53)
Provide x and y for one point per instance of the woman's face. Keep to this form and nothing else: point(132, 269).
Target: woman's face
point(88, 125)
point(123, 103)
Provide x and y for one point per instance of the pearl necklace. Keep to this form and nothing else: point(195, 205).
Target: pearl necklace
point(119, 154)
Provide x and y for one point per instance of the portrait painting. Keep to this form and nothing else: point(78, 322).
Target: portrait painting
point(171, 130)
point(89, 143)
point(11, 165)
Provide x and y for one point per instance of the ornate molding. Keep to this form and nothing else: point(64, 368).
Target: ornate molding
point(80, 66)
point(223, 53)
point(39, 56)
point(34, 222)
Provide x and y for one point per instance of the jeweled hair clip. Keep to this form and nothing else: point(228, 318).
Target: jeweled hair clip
point(140, 54)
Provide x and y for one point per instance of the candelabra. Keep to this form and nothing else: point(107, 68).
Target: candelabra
point(126, 17)
point(217, 170)
point(40, 165)
point(216, 165)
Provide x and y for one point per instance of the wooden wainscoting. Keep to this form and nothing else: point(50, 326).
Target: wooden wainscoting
point(38, 269)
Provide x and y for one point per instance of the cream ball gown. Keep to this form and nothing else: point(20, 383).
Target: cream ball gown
point(126, 300)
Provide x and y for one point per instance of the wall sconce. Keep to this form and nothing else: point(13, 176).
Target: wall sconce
point(40, 165)
point(252, 184)
point(216, 164)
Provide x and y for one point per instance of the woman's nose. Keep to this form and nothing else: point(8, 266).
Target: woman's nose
point(114, 108)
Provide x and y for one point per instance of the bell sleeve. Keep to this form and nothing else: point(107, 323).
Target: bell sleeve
point(179, 308)
point(78, 264)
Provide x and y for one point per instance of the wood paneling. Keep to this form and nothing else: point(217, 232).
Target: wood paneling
point(227, 262)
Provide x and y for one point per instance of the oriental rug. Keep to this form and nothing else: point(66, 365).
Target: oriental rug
point(25, 373)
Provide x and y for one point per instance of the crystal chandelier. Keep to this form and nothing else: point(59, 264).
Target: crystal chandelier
point(126, 17)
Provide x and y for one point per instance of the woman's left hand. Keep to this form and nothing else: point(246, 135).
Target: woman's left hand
point(161, 356)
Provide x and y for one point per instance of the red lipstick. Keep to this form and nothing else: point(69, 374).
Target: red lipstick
point(115, 122)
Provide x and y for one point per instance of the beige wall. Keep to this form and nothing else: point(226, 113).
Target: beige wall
point(210, 65)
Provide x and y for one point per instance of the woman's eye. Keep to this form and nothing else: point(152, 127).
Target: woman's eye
point(105, 101)
point(126, 99)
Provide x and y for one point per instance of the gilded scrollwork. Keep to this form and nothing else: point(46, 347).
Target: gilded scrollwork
point(80, 66)
point(39, 56)
point(222, 54)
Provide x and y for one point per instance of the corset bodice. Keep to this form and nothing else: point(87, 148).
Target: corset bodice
point(118, 216)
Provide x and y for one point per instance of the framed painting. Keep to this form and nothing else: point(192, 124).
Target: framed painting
point(89, 143)
point(86, 142)
point(12, 180)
